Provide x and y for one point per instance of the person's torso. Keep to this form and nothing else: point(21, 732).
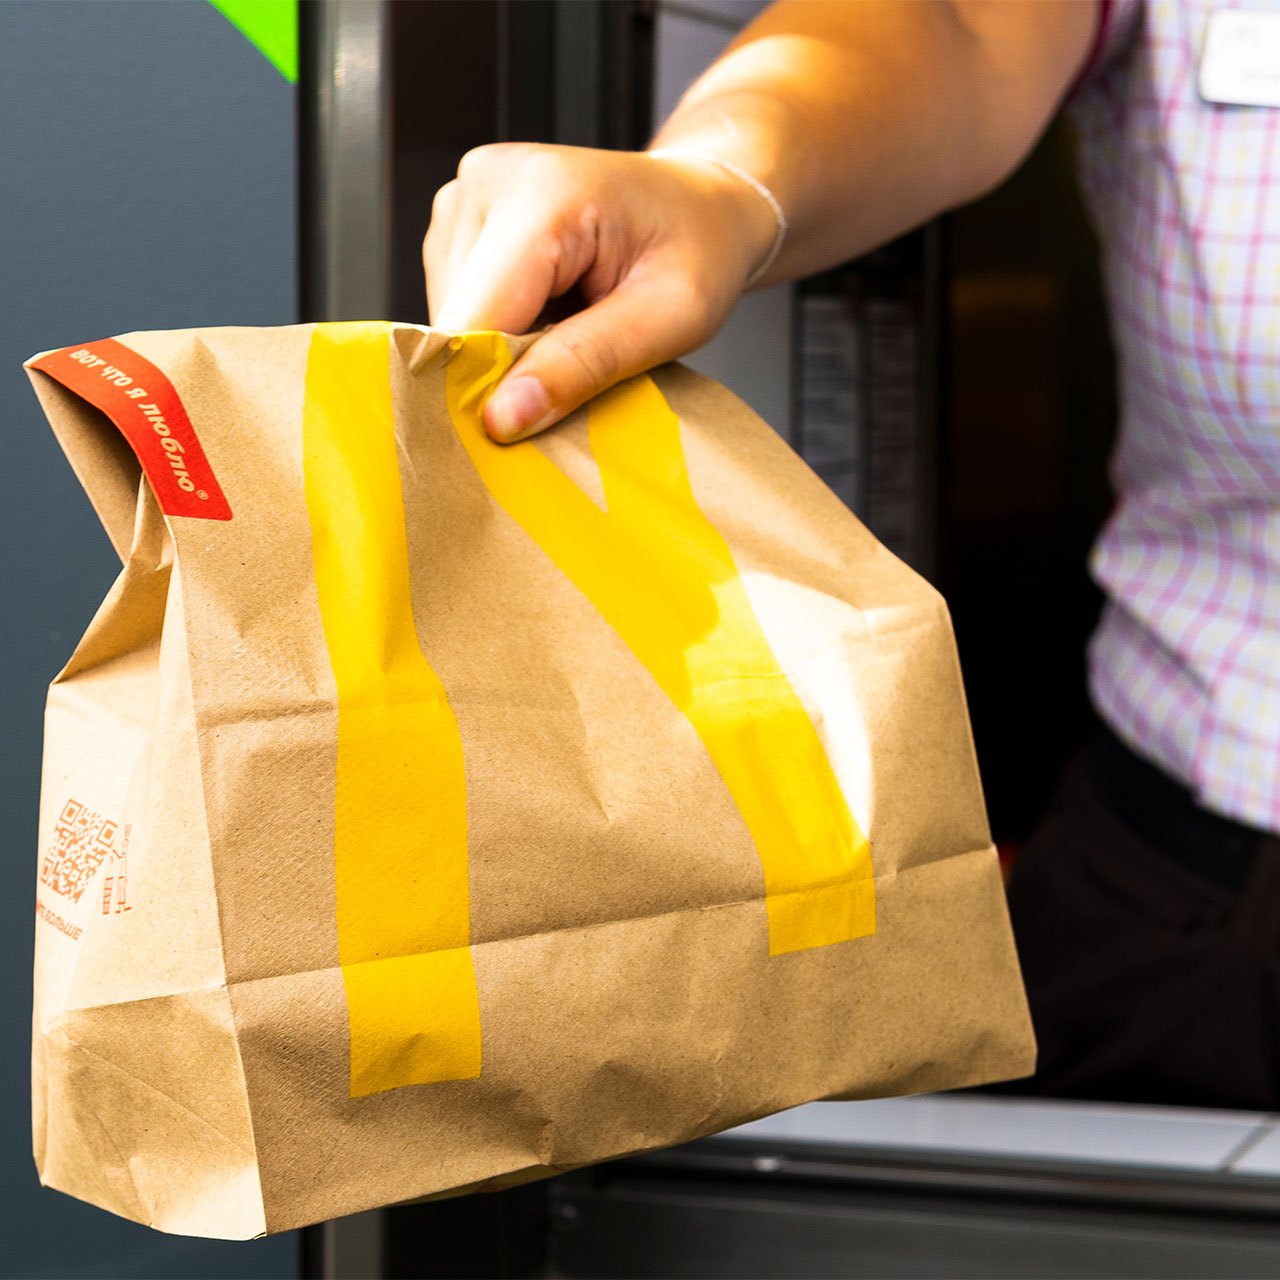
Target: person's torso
point(1186, 197)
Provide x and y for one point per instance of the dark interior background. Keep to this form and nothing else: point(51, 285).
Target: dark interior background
point(1028, 417)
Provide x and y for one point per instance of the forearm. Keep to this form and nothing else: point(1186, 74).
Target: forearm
point(863, 117)
point(867, 117)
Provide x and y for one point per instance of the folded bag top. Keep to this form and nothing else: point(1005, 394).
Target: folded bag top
point(422, 813)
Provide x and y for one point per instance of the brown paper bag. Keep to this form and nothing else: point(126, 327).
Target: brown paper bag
point(422, 813)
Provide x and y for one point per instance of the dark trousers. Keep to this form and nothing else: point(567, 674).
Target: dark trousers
point(1149, 935)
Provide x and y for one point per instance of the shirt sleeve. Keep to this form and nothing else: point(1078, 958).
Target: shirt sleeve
point(1117, 22)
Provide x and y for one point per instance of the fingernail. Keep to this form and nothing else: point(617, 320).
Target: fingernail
point(516, 406)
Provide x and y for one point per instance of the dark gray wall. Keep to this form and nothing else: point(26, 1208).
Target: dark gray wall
point(148, 176)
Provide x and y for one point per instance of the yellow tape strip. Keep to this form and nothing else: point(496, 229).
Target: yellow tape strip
point(664, 579)
point(400, 838)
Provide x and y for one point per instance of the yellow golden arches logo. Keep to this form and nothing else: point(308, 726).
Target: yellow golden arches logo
point(658, 572)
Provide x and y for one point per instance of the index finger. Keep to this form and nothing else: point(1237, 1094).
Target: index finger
point(511, 271)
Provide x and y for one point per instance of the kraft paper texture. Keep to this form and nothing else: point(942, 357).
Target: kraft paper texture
point(421, 813)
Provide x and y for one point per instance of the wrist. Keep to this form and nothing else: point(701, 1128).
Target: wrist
point(759, 128)
point(762, 258)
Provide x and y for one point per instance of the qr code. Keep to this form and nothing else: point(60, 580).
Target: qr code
point(81, 840)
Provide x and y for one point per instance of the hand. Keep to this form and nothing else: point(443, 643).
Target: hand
point(660, 248)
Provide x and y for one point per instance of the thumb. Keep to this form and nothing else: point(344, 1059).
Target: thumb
point(635, 327)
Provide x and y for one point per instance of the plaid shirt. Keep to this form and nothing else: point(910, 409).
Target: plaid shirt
point(1185, 664)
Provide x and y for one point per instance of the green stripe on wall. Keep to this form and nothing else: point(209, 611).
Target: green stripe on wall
point(271, 25)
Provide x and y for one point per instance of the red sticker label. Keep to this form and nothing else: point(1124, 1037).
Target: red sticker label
point(142, 404)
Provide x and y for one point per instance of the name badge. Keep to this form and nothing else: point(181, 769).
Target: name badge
point(1241, 61)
